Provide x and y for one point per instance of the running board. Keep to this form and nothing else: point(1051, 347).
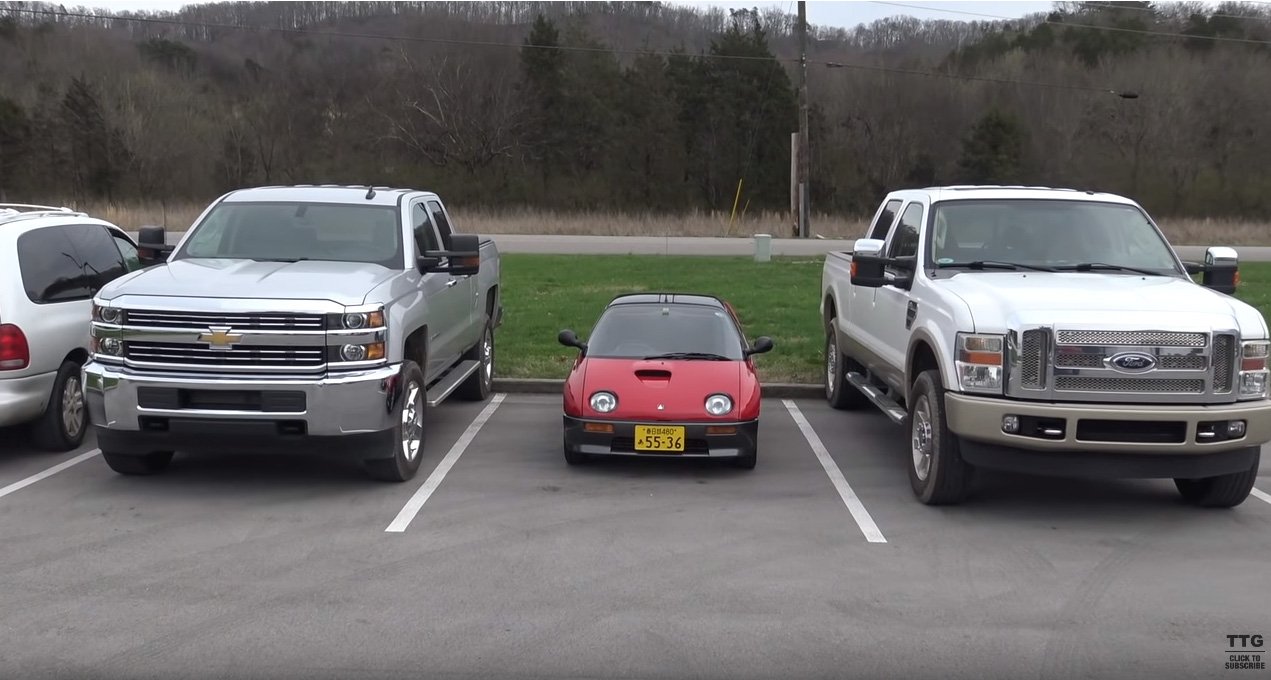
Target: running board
point(892, 410)
point(451, 381)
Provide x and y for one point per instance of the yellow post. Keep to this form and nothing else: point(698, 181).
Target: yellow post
point(736, 200)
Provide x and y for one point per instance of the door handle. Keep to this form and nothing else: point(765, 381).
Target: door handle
point(451, 283)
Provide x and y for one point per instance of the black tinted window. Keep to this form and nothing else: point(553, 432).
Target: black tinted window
point(425, 235)
point(60, 264)
point(642, 330)
point(905, 242)
point(129, 251)
point(879, 229)
point(443, 224)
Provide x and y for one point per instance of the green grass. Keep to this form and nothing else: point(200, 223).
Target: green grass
point(543, 294)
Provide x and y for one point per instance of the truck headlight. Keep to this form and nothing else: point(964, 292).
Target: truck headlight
point(1253, 369)
point(372, 352)
point(979, 362)
point(107, 314)
point(356, 321)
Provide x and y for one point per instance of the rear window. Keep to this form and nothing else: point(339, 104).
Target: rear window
point(67, 263)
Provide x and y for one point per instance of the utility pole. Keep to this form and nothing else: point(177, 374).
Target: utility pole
point(803, 121)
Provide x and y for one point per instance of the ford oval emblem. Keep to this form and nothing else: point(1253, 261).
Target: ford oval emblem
point(1133, 362)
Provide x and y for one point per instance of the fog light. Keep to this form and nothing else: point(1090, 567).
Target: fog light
point(111, 346)
point(1236, 428)
point(353, 352)
point(1010, 424)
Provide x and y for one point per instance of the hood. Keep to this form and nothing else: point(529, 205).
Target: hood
point(998, 301)
point(344, 283)
point(681, 387)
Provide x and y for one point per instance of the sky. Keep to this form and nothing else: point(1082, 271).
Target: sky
point(833, 13)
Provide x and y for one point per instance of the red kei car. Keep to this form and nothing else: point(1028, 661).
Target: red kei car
point(664, 374)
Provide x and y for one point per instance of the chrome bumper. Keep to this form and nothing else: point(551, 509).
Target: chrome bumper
point(24, 399)
point(347, 403)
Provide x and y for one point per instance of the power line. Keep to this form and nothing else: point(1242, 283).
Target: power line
point(566, 48)
point(1117, 29)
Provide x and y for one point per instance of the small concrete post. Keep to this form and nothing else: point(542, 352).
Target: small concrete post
point(763, 247)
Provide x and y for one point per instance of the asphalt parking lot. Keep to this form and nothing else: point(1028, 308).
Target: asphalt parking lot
point(499, 560)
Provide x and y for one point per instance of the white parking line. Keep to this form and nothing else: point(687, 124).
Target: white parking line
point(434, 480)
point(1261, 495)
point(854, 505)
point(22, 484)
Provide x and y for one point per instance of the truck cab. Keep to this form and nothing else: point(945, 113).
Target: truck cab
point(1047, 331)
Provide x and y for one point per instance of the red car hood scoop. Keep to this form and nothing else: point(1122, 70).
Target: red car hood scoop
point(653, 375)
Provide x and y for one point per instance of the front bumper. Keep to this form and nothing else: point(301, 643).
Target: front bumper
point(135, 412)
point(24, 399)
point(698, 444)
point(1118, 440)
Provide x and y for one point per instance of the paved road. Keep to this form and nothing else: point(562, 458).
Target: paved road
point(519, 566)
point(693, 245)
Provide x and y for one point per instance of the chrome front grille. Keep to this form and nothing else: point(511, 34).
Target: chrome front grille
point(1224, 363)
point(244, 356)
point(1132, 338)
point(1032, 359)
point(238, 322)
point(1138, 385)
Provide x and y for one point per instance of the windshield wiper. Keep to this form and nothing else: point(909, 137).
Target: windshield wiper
point(1105, 267)
point(993, 264)
point(278, 259)
point(690, 355)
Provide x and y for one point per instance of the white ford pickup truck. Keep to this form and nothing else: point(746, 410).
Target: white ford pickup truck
point(1047, 331)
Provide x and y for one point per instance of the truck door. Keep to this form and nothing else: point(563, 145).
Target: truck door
point(447, 306)
point(469, 331)
point(891, 302)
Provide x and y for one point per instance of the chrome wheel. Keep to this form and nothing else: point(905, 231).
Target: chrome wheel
point(412, 422)
point(921, 438)
point(831, 365)
point(487, 356)
point(73, 407)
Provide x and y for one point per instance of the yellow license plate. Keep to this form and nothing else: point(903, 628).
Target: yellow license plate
point(659, 438)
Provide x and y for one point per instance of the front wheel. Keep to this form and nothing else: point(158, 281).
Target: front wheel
point(408, 440)
point(1223, 491)
point(937, 472)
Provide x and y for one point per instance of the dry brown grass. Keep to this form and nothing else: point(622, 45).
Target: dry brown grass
point(179, 216)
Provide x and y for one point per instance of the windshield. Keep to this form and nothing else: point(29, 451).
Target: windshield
point(298, 231)
point(637, 331)
point(1050, 234)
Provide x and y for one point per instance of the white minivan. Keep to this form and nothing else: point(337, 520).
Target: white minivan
point(52, 262)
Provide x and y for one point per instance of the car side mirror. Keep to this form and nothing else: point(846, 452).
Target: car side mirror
point(569, 338)
point(762, 344)
point(464, 256)
point(868, 246)
point(1221, 271)
point(152, 245)
point(867, 271)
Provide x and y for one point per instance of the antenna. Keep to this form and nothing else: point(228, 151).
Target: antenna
point(370, 192)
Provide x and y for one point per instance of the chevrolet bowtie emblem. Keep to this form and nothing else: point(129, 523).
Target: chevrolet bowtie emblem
point(220, 337)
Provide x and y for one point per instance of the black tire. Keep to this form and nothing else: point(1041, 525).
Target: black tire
point(479, 385)
point(838, 391)
point(408, 415)
point(940, 477)
point(65, 419)
point(133, 464)
point(1223, 491)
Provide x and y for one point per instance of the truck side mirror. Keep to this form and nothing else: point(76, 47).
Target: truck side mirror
point(868, 246)
point(464, 256)
point(1222, 269)
point(152, 245)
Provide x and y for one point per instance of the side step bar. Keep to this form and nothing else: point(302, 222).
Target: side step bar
point(452, 380)
point(885, 403)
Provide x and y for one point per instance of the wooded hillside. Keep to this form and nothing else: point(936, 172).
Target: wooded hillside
point(628, 106)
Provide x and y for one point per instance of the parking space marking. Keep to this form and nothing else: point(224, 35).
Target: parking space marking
point(22, 484)
point(853, 503)
point(421, 496)
point(1261, 495)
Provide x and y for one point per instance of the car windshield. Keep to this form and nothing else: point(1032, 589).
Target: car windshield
point(1062, 235)
point(289, 232)
point(672, 331)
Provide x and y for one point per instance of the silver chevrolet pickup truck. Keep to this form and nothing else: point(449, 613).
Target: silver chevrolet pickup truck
point(306, 318)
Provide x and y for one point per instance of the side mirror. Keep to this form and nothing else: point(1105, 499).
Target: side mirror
point(152, 245)
point(569, 338)
point(868, 246)
point(464, 256)
point(1221, 271)
point(868, 270)
point(762, 344)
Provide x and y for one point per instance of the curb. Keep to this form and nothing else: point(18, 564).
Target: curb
point(550, 386)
